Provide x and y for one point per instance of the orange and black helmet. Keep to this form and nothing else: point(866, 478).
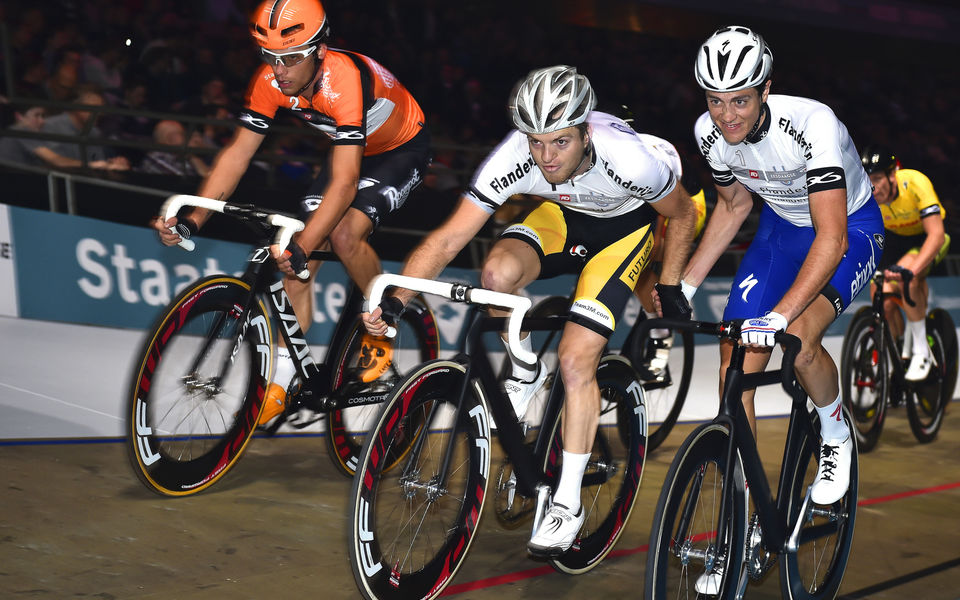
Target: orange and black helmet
point(282, 24)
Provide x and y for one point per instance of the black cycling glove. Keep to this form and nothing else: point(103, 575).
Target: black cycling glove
point(185, 227)
point(391, 308)
point(673, 304)
point(298, 259)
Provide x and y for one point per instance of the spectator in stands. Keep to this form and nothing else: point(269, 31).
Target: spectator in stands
point(37, 152)
point(173, 133)
point(80, 122)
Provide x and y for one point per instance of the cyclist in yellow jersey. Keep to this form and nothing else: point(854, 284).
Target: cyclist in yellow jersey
point(915, 239)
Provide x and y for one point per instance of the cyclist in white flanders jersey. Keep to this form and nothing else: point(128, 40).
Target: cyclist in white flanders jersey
point(603, 189)
point(819, 238)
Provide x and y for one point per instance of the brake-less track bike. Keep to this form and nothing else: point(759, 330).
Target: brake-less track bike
point(702, 524)
point(411, 527)
point(873, 374)
point(198, 387)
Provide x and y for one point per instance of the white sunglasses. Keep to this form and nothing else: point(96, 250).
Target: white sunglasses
point(287, 59)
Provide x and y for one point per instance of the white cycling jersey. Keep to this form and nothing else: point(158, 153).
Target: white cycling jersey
point(628, 169)
point(801, 148)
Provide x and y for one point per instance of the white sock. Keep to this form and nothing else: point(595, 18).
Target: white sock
point(571, 476)
point(832, 425)
point(519, 369)
point(918, 331)
point(285, 370)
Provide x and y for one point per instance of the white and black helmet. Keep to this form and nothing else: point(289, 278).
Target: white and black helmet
point(733, 58)
point(550, 99)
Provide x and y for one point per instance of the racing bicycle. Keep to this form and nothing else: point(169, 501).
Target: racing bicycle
point(198, 387)
point(702, 527)
point(873, 372)
point(411, 527)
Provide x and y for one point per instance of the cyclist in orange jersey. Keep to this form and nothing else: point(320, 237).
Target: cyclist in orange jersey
point(380, 151)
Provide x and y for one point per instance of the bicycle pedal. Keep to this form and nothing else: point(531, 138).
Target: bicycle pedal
point(304, 418)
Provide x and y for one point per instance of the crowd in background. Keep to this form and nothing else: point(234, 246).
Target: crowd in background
point(459, 60)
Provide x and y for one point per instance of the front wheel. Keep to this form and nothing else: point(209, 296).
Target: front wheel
point(927, 400)
point(411, 526)
point(864, 377)
point(367, 368)
point(685, 544)
point(612, 480)
point(814, 570)
point(198, 387)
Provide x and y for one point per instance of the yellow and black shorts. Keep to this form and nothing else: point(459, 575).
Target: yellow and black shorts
point(608, 253)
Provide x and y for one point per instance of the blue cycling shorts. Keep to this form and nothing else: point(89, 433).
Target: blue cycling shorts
point(775, 255)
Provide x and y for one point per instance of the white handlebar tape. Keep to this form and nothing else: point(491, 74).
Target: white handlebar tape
point(518, 305)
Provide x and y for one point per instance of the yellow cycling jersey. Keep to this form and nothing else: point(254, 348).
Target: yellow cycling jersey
point(916, 199)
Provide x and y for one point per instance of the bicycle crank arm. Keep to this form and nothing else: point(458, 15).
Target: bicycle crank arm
point(543, 500)
point(793, 543)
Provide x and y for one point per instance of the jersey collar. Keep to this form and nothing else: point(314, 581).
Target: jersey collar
point(592, 152)
point(761, 128)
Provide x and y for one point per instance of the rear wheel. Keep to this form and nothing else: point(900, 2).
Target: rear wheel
point(927, 400)
point(198, 387)
point(612, 479)
point(814, 570)
point(366, 368)
point(865, 377)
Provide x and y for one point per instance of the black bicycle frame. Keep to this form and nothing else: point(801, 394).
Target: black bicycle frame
point(732, 415)
point(479, 371)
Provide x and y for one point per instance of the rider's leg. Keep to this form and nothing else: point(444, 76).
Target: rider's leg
point(817, 373)
point(510, 265)
point(350, 243)
point(579, 353)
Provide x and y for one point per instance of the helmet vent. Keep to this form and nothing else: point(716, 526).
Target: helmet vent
point(292, 30)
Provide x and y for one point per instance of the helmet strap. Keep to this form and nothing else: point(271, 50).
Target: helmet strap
point(761, 127)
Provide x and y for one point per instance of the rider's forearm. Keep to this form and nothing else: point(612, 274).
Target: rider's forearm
point(722, 227)
point(678, 240)
point(427, 261)
point(928, 251)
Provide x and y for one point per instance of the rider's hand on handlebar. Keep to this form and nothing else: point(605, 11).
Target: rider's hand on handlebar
point(380, 318)
point(898, 273)
point(173, 230)
point(292, 260)
point(761, 331)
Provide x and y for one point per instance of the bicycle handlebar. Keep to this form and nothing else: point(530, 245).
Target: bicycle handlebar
point(731, 331)
point(460, 292)
point(905, 276)
point(286, 226)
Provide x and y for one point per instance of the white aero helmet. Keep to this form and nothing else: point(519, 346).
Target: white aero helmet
point(550, 99)
point(733, 58)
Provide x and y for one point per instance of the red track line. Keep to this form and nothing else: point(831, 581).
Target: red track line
point(907, 494)
point(489, 582)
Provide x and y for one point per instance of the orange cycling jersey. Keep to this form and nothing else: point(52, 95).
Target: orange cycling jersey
point(356, 102)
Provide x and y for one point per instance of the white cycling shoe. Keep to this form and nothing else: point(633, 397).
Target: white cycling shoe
point(919, 367)
point(557, 532)
point(521, 392)
point(833, 472)
point(709, 582)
